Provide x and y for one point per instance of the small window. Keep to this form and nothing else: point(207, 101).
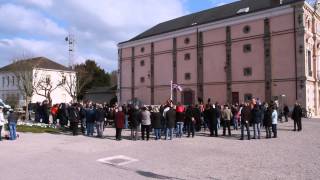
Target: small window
point(246, 29)
point(310, 73)
point(3, 81)
point(186, 40)
point(247, 71)
point(8, 81)
point(187, 56)
point(267, 52)
point(142, 50)
point(12, 80)
point(142, 79)
point(142, 63)
point(247, 48)
point(247, 97)
point(48, 79)
point(187, 76)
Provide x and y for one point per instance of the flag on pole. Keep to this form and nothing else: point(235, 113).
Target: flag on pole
point(177, 87)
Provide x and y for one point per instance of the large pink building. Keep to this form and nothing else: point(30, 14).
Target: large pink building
point(266, 49)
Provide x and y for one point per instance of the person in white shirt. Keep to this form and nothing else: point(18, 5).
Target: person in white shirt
point(274, 122)
point(2, 121)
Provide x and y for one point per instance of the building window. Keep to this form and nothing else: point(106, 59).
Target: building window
point(3, 81)
point(142, 79)
point(186, 40)
point(247, 48)
point(142, 63)
point(8, 81)
point(18, 80)
point(246, 29)
point(12, 80)
point(309, 63)
point(187, 76)
point(142, 50)
point(187, 56)
point(48, 79)
point(247, 71)
point(247, 97)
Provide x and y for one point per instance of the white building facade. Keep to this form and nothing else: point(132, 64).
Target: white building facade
point(58, 75)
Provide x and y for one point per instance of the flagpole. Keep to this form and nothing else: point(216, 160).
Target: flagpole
point(171, 90)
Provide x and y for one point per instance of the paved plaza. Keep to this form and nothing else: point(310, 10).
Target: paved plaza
point(294, 155)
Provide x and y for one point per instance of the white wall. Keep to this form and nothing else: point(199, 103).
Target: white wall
point(60, 95)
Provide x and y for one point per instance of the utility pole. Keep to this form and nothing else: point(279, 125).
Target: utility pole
point(70, 39)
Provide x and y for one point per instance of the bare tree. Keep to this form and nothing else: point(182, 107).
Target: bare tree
point(45, 86)
point(74, 83)
point(25, 75)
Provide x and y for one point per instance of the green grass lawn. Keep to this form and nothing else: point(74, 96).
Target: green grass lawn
point(36, 129)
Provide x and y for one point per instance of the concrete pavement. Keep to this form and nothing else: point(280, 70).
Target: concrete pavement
point(294, 155)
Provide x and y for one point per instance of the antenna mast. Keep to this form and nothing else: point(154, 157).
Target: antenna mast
point(70, 39)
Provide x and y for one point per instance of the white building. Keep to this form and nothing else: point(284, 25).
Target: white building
point(45, 73)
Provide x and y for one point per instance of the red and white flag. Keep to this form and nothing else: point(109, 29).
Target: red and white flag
point(177, 87)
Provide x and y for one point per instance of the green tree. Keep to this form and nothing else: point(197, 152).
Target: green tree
point(90, 68)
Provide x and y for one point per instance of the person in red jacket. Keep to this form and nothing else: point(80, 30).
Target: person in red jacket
point(54, 113)
point(119, 123)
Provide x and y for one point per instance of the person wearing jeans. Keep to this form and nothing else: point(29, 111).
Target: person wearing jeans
point(180, 120)
point(12, 121)
point(257, 118)
point(179, 129)
point(91, 118)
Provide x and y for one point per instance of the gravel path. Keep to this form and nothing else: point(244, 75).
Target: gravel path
point(294, 155)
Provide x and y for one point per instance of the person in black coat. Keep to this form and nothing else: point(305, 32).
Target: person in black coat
point(171, 122)
point(156, 122)
point(197, 117)
point(296, 116)
point(45, 112)
point(212, 115)
point(245, 120)
point(134, 122)
point(37, 112)
point(267, 121)
point(63, 114)
point(74, 118)
point(286, 112)
point(190, 121)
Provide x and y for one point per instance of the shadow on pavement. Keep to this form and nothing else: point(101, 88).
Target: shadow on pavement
point(155, 176)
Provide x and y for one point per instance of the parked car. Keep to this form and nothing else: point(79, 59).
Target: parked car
point(6, 106)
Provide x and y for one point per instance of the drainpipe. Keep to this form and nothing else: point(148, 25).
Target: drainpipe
point(295, 50)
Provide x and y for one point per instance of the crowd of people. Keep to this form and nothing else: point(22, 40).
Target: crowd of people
point(166, 121)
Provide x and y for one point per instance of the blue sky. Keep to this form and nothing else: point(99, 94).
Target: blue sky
point(30, 28)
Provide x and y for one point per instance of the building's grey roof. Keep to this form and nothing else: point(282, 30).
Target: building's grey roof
point(38, 62)
point(99, 90)
point(211, 15)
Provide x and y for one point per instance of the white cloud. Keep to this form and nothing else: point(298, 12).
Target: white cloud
point(39, 26)
point(20, 20)
point(40, 3)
